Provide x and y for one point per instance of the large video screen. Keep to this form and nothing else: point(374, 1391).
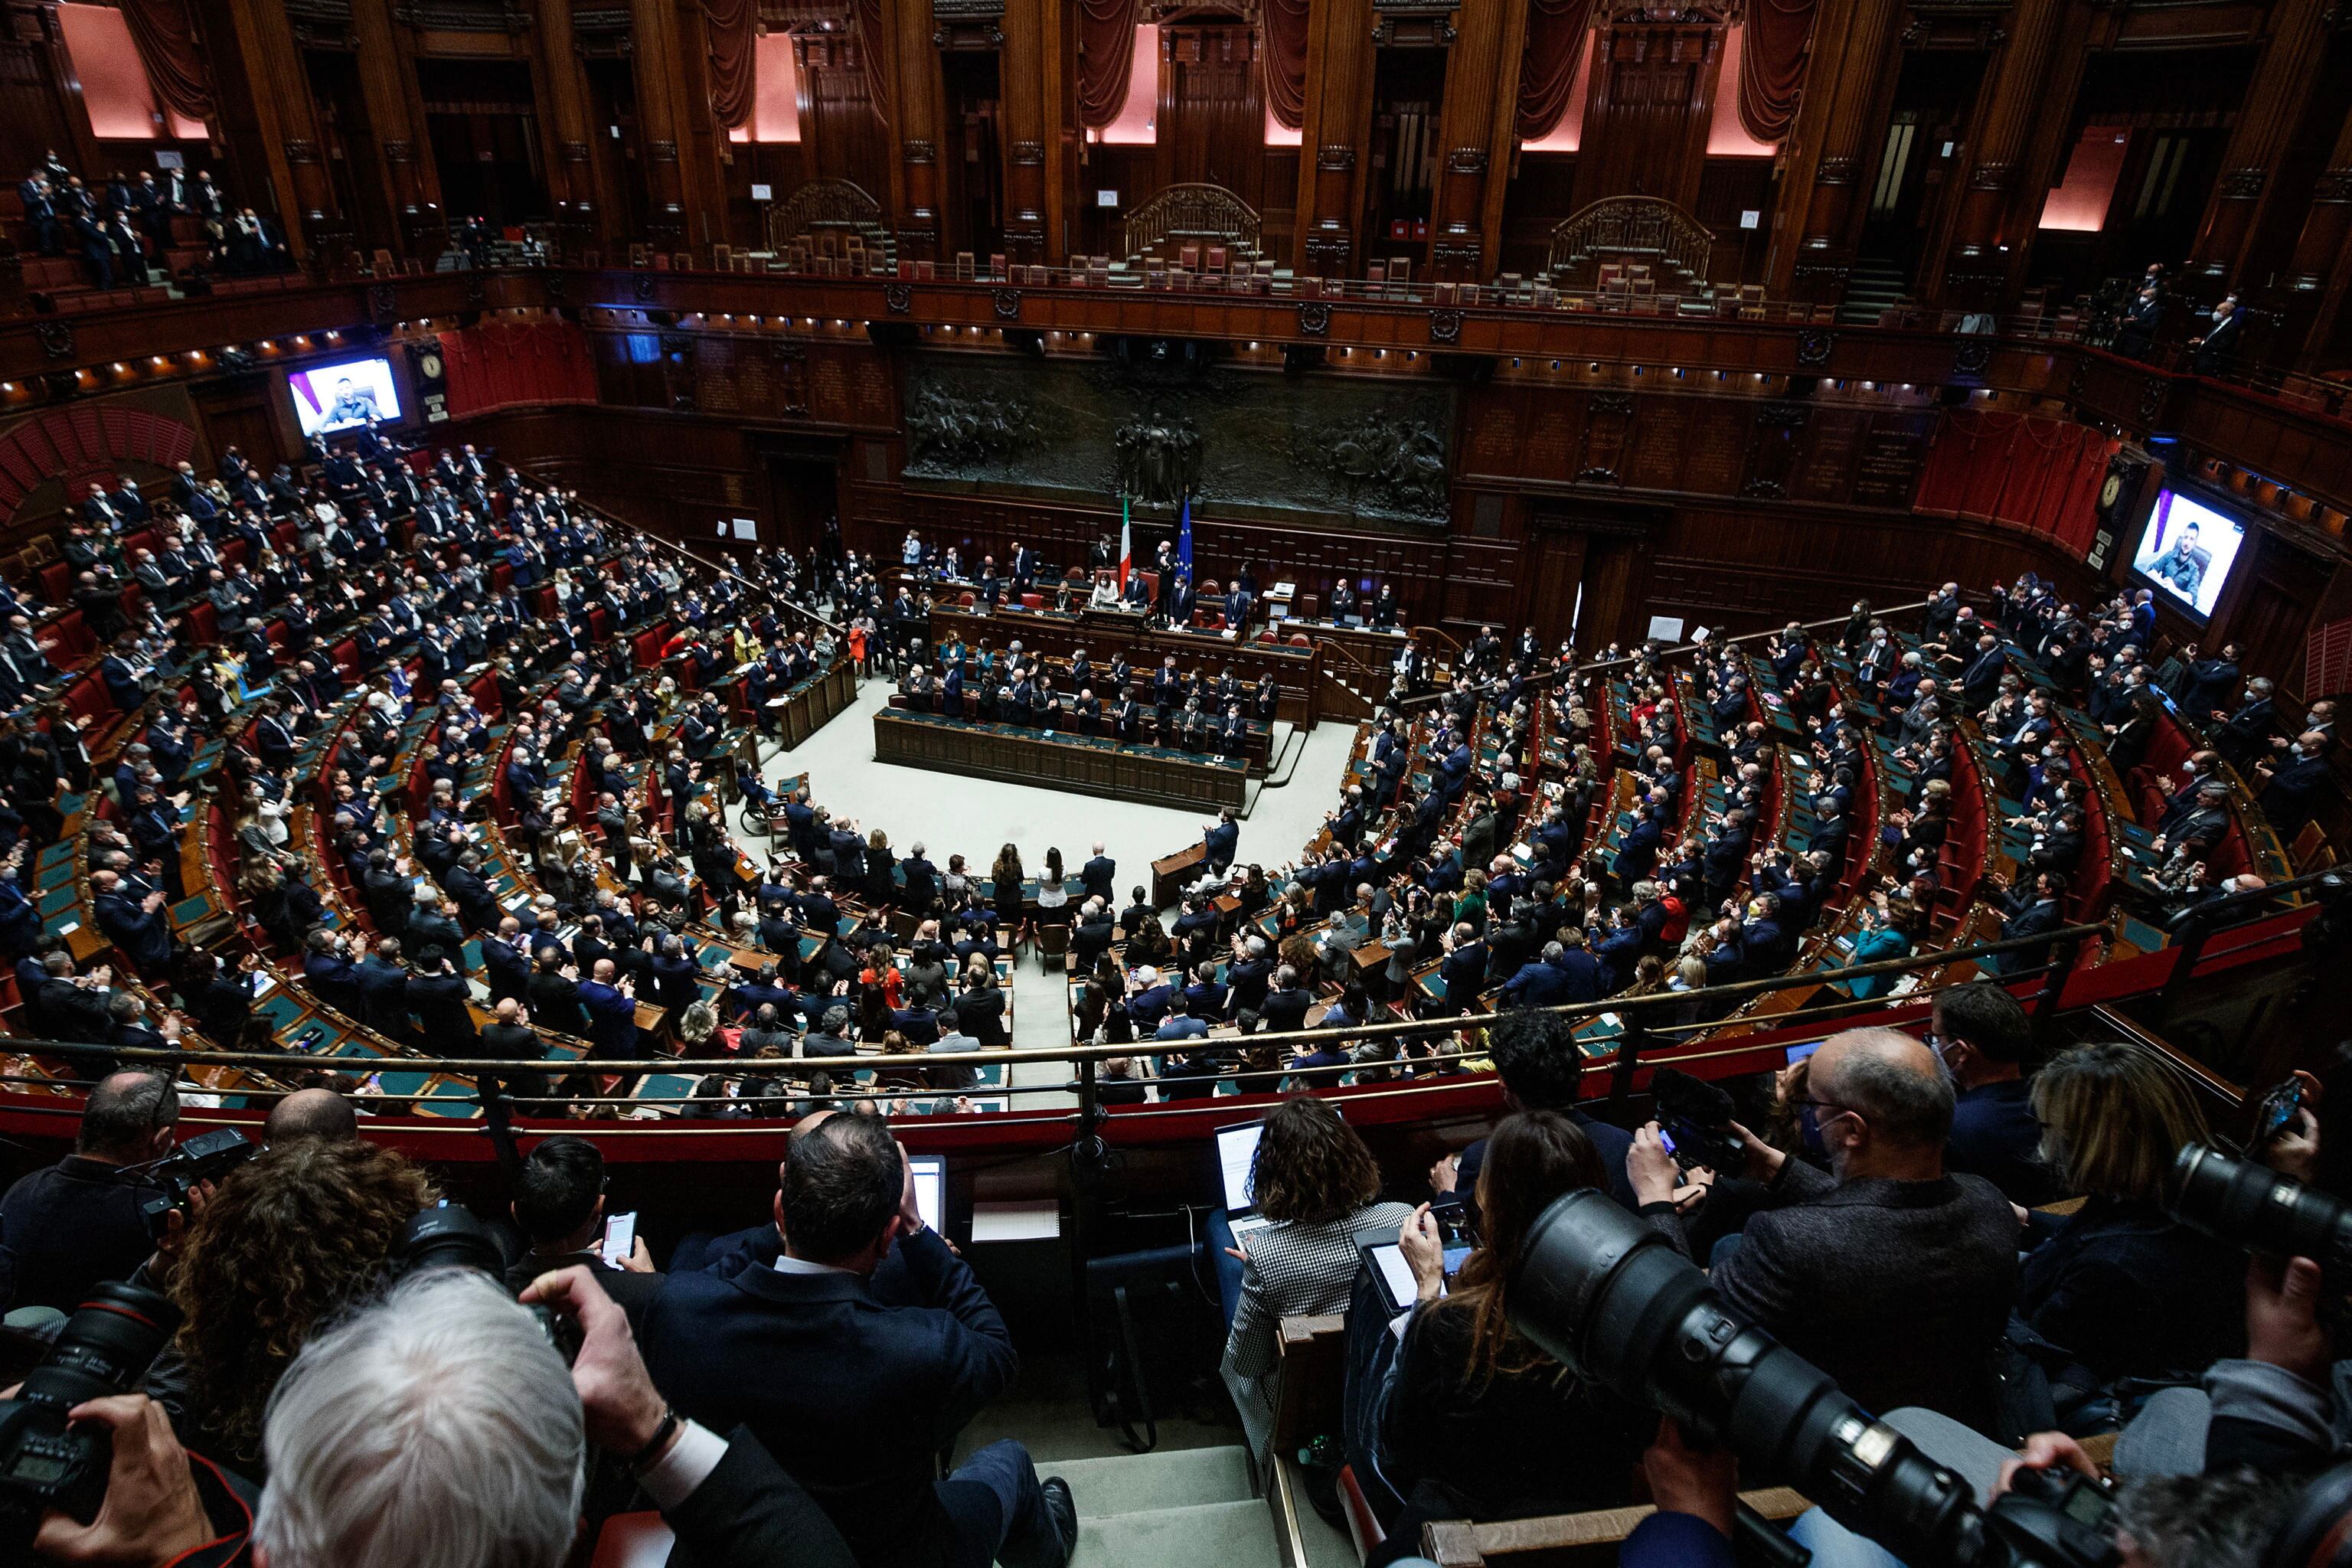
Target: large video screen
point(332, 397)
point(2187, 550)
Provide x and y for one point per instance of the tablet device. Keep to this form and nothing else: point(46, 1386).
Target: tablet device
point(931, 1174)
point(1236, 1152)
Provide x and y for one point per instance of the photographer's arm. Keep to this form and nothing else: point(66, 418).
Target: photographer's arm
point(2273, 1410)
point(726, 1497)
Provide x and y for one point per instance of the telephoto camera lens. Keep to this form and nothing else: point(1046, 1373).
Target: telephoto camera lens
point(105, 1348)
point(1602, 1292)
point(2241, 1204)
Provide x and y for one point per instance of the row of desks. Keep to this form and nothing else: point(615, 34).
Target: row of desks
point(1017, 754)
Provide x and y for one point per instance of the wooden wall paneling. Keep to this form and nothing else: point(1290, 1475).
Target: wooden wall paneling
point(2275, 102)
point(1211, 116)
point(276, 91)
point(1475, 123)
point(1540, 192)
point(559, 80)
point(1772, 448)
point(1337, 128)
point(844, 136)
point(1652, 95)
point(1832, 152)
point(402, 162)
point(915, 194)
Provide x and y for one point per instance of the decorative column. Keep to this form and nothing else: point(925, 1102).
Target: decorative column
point(1831, 149)
point(1480, 107)
point(287, 124)
point(387, 72)
point(656, 58)
point(1036, 107)
point(571, 165)
point(1992, 220)
point(2310, 295)
point(2276, 97)
point(914, 78)
point(1336, 125)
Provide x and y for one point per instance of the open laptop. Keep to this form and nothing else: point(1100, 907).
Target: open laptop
point(931, 1174)
point(1236, 1152)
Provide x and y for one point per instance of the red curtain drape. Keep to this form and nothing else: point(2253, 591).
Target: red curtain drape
point(1106, 60)
point(166, 41)
point(1772, 66)
point(499, 363)
point(734, 42)
point(1557, 30)
point(2039, 474)
point(1282, 36)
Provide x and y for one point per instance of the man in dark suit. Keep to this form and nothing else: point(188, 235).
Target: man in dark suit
point(383, 991)
point(2027, 911)
point(1099, 876)
point(40, 208)
point(2288, 787)
point(1541, 1069)
point(856, 1395)
point(1855, 1270)
point(559, 1206)
point(1222, 841)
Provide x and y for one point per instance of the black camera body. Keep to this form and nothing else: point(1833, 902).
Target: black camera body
point(46, 1462)
point(207, 1157)
point(2242, 1203)
point(449, 1236)
point(1603, 1294)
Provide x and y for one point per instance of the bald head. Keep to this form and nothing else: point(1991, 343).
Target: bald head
point(1890, 1082)
point(310, 1113)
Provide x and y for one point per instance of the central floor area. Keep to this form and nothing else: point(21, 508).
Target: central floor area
point(950, 815)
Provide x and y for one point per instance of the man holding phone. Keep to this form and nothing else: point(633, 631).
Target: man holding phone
point(559, 1206)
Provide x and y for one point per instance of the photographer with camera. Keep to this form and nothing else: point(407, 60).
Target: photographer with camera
point(438, 1425)
point(286, 1242)
point(68, 1225)
point(1888, 1273)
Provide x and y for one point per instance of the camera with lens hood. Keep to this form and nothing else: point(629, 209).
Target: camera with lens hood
point(2242, 1203)
point(207, 1157)
point(450, 1237)
point(1603, 1293)
point(45, 1460)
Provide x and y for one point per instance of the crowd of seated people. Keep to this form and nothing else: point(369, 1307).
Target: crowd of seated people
point(1876, 1225)
point(782, 1392)
point(1169, 707)
point(354, 1384)
point(121, 227)
point(2021, 668)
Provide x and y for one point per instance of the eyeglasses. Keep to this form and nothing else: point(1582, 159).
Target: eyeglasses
point(1834, 1109)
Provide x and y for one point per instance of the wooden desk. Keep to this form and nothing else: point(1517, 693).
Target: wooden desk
point(1031, 757)
point(1104, 633)
point(1172, 876)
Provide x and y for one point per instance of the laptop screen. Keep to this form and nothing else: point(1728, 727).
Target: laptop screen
point(1236, 1152)
point(931, 1174)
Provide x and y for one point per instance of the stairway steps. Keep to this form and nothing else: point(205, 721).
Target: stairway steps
point(1174, 1478)
point(1201, 1535)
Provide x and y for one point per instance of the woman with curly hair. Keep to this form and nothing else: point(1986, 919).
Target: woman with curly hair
point(1315, 1180)
point(288, 1242)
